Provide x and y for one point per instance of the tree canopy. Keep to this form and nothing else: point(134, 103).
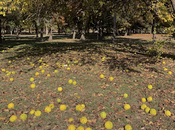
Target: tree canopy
point(83, 15)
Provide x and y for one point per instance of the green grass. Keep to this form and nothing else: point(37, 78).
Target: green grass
point(132, 72)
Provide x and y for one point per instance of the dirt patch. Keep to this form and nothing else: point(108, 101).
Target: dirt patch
point(147, 36)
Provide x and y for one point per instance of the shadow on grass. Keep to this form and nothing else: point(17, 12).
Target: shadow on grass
point(123, 53)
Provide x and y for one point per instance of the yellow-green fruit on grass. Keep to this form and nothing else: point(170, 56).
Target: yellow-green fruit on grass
point(108, 125)
point(143, 106)
point(168, 113)
point(103, 115)
point(153, 112)
point(127, 106)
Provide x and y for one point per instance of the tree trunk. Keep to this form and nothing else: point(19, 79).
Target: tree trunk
point(173, 4)
point(114, 28)
point(17, 32)
point(46, 30)
point(126, 32)
point(58, 29)
point(83, 29)
point(83, 35)
point(41, 34)
point(50, 31)
point(36, 29)
point(74, 34)
point(0, 32)
point(154, 30)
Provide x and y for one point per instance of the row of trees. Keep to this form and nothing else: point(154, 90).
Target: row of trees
point(82, 15)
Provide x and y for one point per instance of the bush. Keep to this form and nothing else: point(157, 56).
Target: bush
point(156, 49)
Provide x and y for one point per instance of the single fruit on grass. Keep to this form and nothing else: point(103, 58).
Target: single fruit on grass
point(47, 109)
point(70, 81)
point(13, 118)
point(128, 127)
point(103, 115)
point(32, 112)
point(108, 125)
point(32, 79)
point(168, 113)
point(38, 113)
point(147, 109)
point(149, 99)
point(60, 89)
point(80, 128)
point(74, 83)
point(125, 95)
point(36, 73)
point(153, 112)
point(32, 85)
point(70, 119)
point(170, 72)
point(143, 106)
point(10, 105)
point(111, 78)
point(71, 127)
point(83, 120)
point(56, 71)
point(11, 79)
point(150, 86)
point(58, 100)
point(101, 76)
point(51, 105)
point(127, 106)
point(62, 107)
point(143, 100)
point(23, 117)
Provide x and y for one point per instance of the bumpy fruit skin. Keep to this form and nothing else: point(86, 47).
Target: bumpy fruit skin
point(32, 85)
point(147, 109)
point(23, 116)
point(111, 78)
point(143, 100)
point(51, 105)
point(143, 106)
point(70, 81)
point(71, 127)
point(74, 83)
point(150, 86)
point(13, 118)
point(10, 105)
point(103, 115)
point(153, 112)
point(108, 125)
point(60, 89)
point(83, 120)
point(168, 113)
point(80, 128)
point(32, 112)
point(149, 99)
point(127, 106)
point(128, 127)
point(101, 76)
point(47, 109)
point(62, 107)
point(125, 95)
point(58, 100)
point(37, 113)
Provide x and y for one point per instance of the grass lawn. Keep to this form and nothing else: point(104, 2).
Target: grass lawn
point(126, 68)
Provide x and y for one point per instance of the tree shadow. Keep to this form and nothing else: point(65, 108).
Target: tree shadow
point(134, 51)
